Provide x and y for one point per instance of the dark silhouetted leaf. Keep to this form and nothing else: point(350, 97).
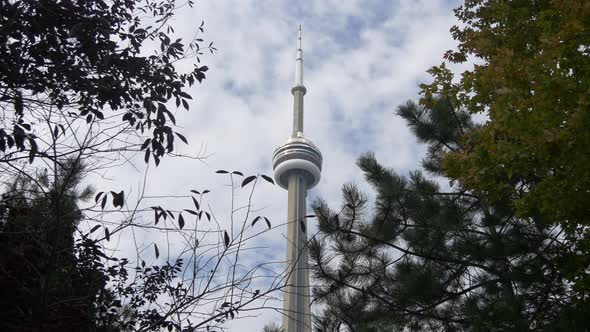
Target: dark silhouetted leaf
point(195, 192)
point(226, 238)
point(156, 250)
point(97, 197)
point(118, 198)
point(180, 221)
point(94, 228)
point(196, 203)
point(107, 234)
point(267, 222)
point(182, 138)
point(238, 173)
point(248, 180)
point(208, 216)
point(104, 202)
point(206, 191)
point(221, 171)
point(255, 220)
point(194, 213)
point(302, 223)
point(267, 178)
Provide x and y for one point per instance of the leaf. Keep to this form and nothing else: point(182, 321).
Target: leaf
point(146, 143)
point(310, 216)
point(146, 158)
point(185, 104)
point(255, 220)
point(221, 171)
point(206, 191)
point(267, 222)
point(267, 178)
point(182, 138)
point(194, 213)
point(156, 250)
point(104, 202)
point(107, 234)
point(33, 151)
point(180, 221)
point(238, 173)
point(97, 197)
point(196, 203)
point(157, 217)
point(195, 192)
point(94, 228)
point(226, 238)
point(118, 198)
point(248, 180)
point(184, 95)
point(302, 223)
point(208, 216)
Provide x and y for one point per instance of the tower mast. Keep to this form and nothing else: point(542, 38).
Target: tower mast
point(297, 167)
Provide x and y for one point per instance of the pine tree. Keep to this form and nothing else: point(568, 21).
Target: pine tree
point(46, 283)
point(434, 257)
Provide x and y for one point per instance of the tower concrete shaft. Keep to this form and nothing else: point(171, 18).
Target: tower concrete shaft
point(297, 167)
point(297, 311)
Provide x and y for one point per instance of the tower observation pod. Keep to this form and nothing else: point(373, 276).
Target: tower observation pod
point(297, 167)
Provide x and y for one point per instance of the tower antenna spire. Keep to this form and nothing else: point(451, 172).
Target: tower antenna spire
point(299, 36)
point(299, 64)
point(298, 91)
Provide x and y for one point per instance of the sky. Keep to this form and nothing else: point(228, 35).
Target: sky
point(362, 58)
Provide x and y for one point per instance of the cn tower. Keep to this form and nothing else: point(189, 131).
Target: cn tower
point(297, 166)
